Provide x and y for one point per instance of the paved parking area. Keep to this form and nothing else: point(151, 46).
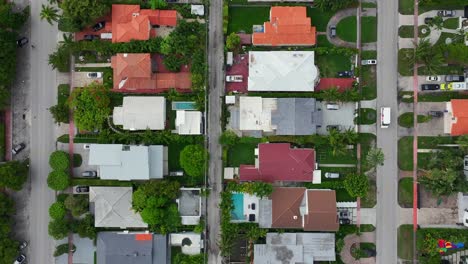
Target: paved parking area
point(78, 148)
point(434, 127)
point(80, 79)
point(84, 253)
point(343, 116)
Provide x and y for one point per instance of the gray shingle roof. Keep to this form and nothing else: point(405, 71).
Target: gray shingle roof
point(296, 116)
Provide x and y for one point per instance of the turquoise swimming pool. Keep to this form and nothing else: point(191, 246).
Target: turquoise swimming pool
point(183, 106)
point(238, 201)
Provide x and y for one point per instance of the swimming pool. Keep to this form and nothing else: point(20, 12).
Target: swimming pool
point(183, 106)
point(238, 201)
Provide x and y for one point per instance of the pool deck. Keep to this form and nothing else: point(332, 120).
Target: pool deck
point(247, 208)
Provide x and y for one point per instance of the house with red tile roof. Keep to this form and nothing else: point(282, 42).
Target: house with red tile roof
point(136, 72)
point(288, 26)
point(299, 208)
point(130, 22)
point(456, 117)
point(280, 162)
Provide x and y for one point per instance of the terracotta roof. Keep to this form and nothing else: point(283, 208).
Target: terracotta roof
point(322, 211)
point(279, 162)
point(285, 207)
point(460, 112)
point(288, 25)
point(129, 22)
point(132, 71)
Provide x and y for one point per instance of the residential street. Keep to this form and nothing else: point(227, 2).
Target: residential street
point(43, 95)
point(215, 90)
point(387, 175)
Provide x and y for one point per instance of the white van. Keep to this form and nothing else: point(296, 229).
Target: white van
point(333, 106)
point(385, 117)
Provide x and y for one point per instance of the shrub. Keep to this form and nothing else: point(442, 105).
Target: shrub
point(58, 180)
point(59, 160)
point(193, 160)
point(57, 210)
point(58, 229)
point(357, 185)
point(63, 249)
point(77, 204)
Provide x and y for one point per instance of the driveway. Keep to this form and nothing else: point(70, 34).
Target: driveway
point(80, 79)
point(435, 127)
point(343, 117)
point(84, 253)
point(78, 148)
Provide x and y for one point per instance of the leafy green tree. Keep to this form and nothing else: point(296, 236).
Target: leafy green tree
point(58, 229)
point(333, 5)
point(446, 159)
point(436, 22)
point(8, 55)
point(426, 54)
point(85, 227)
point(91, 106)
point(60, 59)
point(181, 258)
point(49, 13)
point(357, 185)
point(158, 4)
point(84, 12)
point(9, 250)
point(60, 113)
point(59, 160)
point(58, 180)
point(228, 138)
point(63, 249)
point(332, 94)
point(462, 141)
point(11, 20)
point(375, 157)
point(233, 42)
point(7, 205)
point(13, 174)
point(254, 233)
point(57, 210)
point(4, 98)
point(193, 160)
point(200, 226)
point(440, 182)
point(77, 204)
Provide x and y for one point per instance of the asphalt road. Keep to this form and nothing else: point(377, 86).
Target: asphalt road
point(216, 91)
point(43, 95)
point(387, 175)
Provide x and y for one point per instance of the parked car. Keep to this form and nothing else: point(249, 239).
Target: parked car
point(90, 37)
point(369, 62)
point(465, 218)
point(86, 146)
point(94, 75)
point(89, 174)
point(18, 148)
point(332, 175)
point(23, 245)
point(343, 214)
point(333, 106)
point(428, 86)
point(99, 26)
point(332, 31)
point(446, 13)
point(234, 78)
point(433, 78)
point(428, 20)
point(82, 189)
point(465, 163)
point(335, 127)
point(345, 222)
point(20, 259)
point(345, 74)
point(436, 113)
point(176, 173)
point(22, 41)
point(454, 78)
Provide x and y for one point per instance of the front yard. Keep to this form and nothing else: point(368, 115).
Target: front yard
point(331, 64)
point(347, 29)
point(367, 116)
point(405, 192)
point(368, 77)
point(242, 18)
point(405, 242)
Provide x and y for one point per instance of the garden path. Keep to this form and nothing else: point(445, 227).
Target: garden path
point(350, 240)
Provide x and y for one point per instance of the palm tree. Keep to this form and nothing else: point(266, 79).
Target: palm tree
point(336, 141)
point(49, 13)
point(375, 157)
point(331, 94)
point(350, 136)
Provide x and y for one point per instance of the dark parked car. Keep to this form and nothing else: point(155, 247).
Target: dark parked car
point(335, 127)
point(454, 78)
point(18, 148)
point(436, 113)
point(428, 20)
point(22, 41)
point(345, 74)
point(345, 222)
point(427, 86)
point(23, 245)
point(82, 189)
point(90, 37)
point(99, 26)
point(332, 31)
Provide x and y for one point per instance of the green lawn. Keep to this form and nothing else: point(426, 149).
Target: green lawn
point(444, 36)
point(407, 119)
point(325, 156)
point(331, 64)
point(371, 199)
point(367, 141)
point(368, 77)
point(451, 23)
point(405, 242)
point(405, 192)
point(406, 7)
point(63, 93)
point(368, 5)
point(241, 153)
point(405, 67)
point(322, 41)
point(444, 70)
point(366, 228)
point(346, 29)
point(174, 150)
point(367, 116)
point(2, 142)
point(406, 31)
point(368, 29)
point(99, 182)
point(405, 153)
point(243, 18)
point(319, 18)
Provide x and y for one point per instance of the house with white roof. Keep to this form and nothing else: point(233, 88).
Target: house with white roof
point(141, 113)
point(188, 122)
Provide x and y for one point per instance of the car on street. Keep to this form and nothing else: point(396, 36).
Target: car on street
point(18, 148)
point(89, 174)
point(94, 75)
point(332, 175)
point(82, 189)
point(90, 37)
point(20, 259)
point(454, 78)
point(385, 116)
point(345, 74)
point(446, 13)
point(332, 31)
point(22, 41)
point(430, 87)
point(436, 113)
point(368, 62)
point(334, 127)
point(23, 245)
point(99, 26)
point(428, 20)
point(433, 78)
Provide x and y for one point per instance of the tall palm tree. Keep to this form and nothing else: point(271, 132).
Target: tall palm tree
point(49, 13)
point(375, 157)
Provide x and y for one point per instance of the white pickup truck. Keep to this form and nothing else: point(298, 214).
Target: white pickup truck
point(234, 78)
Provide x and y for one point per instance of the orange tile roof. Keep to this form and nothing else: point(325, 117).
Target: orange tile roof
point(288, 25)
point(129, 22)
point(460, 112)
point(132, 71)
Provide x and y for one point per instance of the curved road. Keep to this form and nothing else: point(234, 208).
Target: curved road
point(387, 175)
